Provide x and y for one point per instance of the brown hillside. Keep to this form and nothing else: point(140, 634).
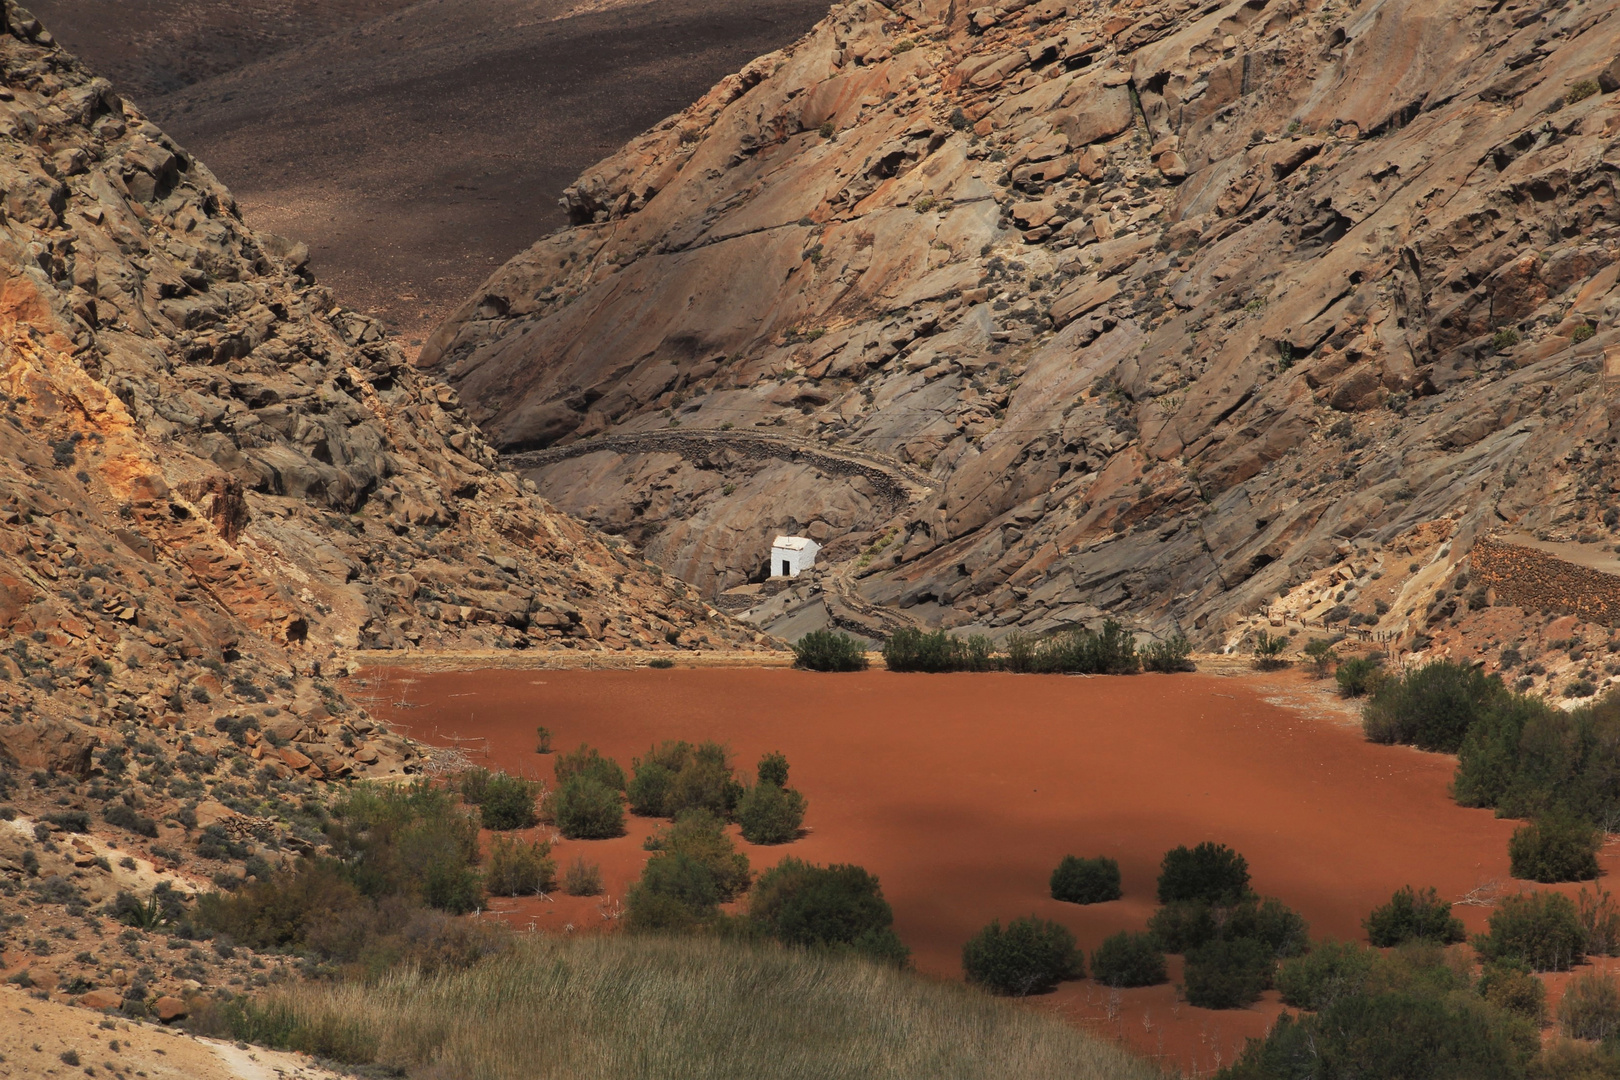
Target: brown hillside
point(413, 145)
point(1186, 308)
point(208, 471)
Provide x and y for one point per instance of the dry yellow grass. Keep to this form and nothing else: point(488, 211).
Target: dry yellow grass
point(621, 1006)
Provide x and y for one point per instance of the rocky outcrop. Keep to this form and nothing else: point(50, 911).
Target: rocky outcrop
point(1181, 306)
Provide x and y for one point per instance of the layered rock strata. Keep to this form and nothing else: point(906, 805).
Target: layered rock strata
point(1181, 306)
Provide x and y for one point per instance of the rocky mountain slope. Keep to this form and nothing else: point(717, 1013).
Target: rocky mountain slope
point(1191, 311)
point(212, 478)
point(412, 149)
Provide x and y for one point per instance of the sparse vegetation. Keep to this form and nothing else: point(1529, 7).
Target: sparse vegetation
point(1581, 90)
point(1591, 1007)
point(1029, 956)
point(1322, 656)
point(1110, 651)
point(1086, 881)
point(519, 868)
point(1268, 650)
point(829, 650)
point(1358, 676)
point(582, 878)
point(1169, 654)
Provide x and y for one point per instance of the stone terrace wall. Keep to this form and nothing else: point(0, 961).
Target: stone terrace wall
point(1528, 578)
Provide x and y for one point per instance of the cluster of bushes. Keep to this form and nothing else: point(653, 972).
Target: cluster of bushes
point(675, 777)
point(829, 650)
point(1421, 1011)
point(1110, 651)
point(1517, 755)
point(696, 869)
point(588, 803)
point(404, 860)
point(911, 649)
point(504, 801)
point(1086, 881)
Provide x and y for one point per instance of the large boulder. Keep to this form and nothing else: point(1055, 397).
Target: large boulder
point(53, 745)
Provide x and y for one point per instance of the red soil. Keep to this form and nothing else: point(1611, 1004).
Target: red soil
point(962, 792)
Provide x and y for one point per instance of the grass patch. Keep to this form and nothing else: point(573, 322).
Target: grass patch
point(616, 1006)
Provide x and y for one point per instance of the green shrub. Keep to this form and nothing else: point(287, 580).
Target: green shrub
point(1322, 656)
point(1581, 90)
point(1184, 925)
point(1583, 332)
point(1390, 1036)
point(1030, 956)
point(1126, 960)
point(1591, 1007)
point(1413, 916)
point(662, 663)
point(582, 878)
point(1600, 922)
point(588, 761)
point(829, 650)
point(1505, 338)
point(1112, 651)
point(1268, 650)
point(773, 769)
point(542, 740)
point(1210, 872)
point(676, 776)
point(1269, 921)
point(1169, 654)
point(1557, 847)
point(584, 808)
point(1431, 707)
point(1086, 881)
point(675, 892)
point(519, 868)
point(838, 907)
point(1358, 676)
point(472, 783)
point(1330, 971)
point(1542, 929)
point(700, 835)
point(770, 814)
point(508, 802)
point(1510, 986)
point(1227, 974)
point(123, 815)
point(911, 649)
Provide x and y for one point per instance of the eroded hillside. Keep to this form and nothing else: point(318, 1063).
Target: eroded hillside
point(212, 478)
point(1183, 307)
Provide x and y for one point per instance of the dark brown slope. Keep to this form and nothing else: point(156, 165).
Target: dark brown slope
point(416, 151)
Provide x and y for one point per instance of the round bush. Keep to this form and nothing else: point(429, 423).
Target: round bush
point(1227, 974)
point(1127, 959)
point(1412, 915)
point(675, 892)
point(1591, 1007)
point(1030, 956)
point(1272, 923)
point(588, 761)
point(1086, 881)
point(507, 803)
point(1558, 847)
point(1540, 928)
point(1210, 872)
point(839, 906)
point(770, 815)
point(1330, 971)
point(584, 808)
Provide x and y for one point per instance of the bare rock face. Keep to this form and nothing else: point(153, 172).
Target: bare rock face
point(1180, 307)
point(213, 480)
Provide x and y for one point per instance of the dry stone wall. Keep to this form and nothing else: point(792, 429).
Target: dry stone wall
point(1538, 581)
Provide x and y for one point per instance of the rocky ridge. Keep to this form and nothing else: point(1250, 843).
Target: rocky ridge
point(1198, 313)
point(216, 485)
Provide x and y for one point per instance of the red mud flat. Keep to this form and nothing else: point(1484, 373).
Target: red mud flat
point(962, 792)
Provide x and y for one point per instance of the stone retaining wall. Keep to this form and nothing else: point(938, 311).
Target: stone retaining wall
point(1532, 579)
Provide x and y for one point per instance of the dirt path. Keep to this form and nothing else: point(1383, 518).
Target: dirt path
point(35, 1035)
point(963, 791)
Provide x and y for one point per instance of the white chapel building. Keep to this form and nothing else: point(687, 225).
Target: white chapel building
point(792, 555)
